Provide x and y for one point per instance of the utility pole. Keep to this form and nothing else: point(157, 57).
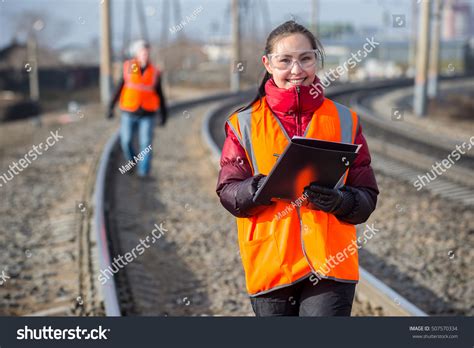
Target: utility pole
point(33, 77)
point(127, 29)
point(314, 16)
point(142, 20)
point(165, 27)
point(433, 70)
point(164, 24)
point(177, 16)
point(105, 53)
point(236, 65)
point(412, 48)
point(420, 101)
point(251, 14)
point(267, 24)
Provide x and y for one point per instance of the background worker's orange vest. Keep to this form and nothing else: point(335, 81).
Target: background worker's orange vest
point(139, 89)
point(286, 243)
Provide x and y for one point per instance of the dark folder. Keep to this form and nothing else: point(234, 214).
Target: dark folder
point(307, 160)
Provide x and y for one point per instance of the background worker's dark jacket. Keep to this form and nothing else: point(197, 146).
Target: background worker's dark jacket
point(234, 177)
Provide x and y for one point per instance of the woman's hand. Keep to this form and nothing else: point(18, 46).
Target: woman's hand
point(334, 201)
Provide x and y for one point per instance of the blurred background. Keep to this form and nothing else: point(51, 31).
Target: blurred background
point(56, 44)
point(60, 61)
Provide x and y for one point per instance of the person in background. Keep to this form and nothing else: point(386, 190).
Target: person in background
point(140, 98)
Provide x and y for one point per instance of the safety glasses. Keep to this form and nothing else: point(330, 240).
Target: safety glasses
point(285, 60)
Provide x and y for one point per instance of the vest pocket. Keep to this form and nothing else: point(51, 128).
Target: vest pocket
point(262, 263)
point(256, 231)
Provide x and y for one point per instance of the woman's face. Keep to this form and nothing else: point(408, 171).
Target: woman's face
point(285, 53)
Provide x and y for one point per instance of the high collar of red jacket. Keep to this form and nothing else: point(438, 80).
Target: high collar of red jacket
point(286, 102)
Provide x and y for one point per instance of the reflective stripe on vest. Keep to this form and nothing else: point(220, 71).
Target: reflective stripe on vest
point(274, 254)
point(245, 138)
point(347, 135)
point(139, 86)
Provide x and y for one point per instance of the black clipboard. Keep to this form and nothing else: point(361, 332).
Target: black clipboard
point(303, 161)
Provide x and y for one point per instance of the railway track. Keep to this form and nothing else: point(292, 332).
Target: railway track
point(426, 246)
point(123, 291)
point(47, 251)
point(410, 153)
point(120, 291)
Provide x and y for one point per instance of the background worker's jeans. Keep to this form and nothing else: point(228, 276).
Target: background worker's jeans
point(128, 126)
point(304, 299)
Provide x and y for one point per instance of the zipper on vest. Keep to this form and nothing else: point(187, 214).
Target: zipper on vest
point(298, 114)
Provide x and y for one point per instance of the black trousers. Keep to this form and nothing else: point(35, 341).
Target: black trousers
point(307, 299)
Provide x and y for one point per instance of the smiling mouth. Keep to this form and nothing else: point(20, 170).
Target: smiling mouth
point(296, 81)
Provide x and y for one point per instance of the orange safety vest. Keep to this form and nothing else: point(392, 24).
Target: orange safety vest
point(139, 89)
point(286, 243)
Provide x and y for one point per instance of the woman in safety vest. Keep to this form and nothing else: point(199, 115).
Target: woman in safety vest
point(299, 259)
point(140, 97)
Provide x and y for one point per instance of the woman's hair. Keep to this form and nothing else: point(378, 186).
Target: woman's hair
point(283, 30)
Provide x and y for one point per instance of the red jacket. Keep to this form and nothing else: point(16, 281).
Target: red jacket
point(235, 177)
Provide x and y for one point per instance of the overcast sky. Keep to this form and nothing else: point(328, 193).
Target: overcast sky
point(81, 17)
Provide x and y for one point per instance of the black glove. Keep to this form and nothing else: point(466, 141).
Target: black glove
point(163, 118)
point(110, 114)
point(245, 194)
point(335, 201)
point(260, 184)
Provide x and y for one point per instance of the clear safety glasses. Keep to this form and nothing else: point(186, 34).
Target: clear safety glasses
point(286, 60)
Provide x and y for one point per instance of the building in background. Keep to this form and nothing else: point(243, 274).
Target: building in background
point(457, 20)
